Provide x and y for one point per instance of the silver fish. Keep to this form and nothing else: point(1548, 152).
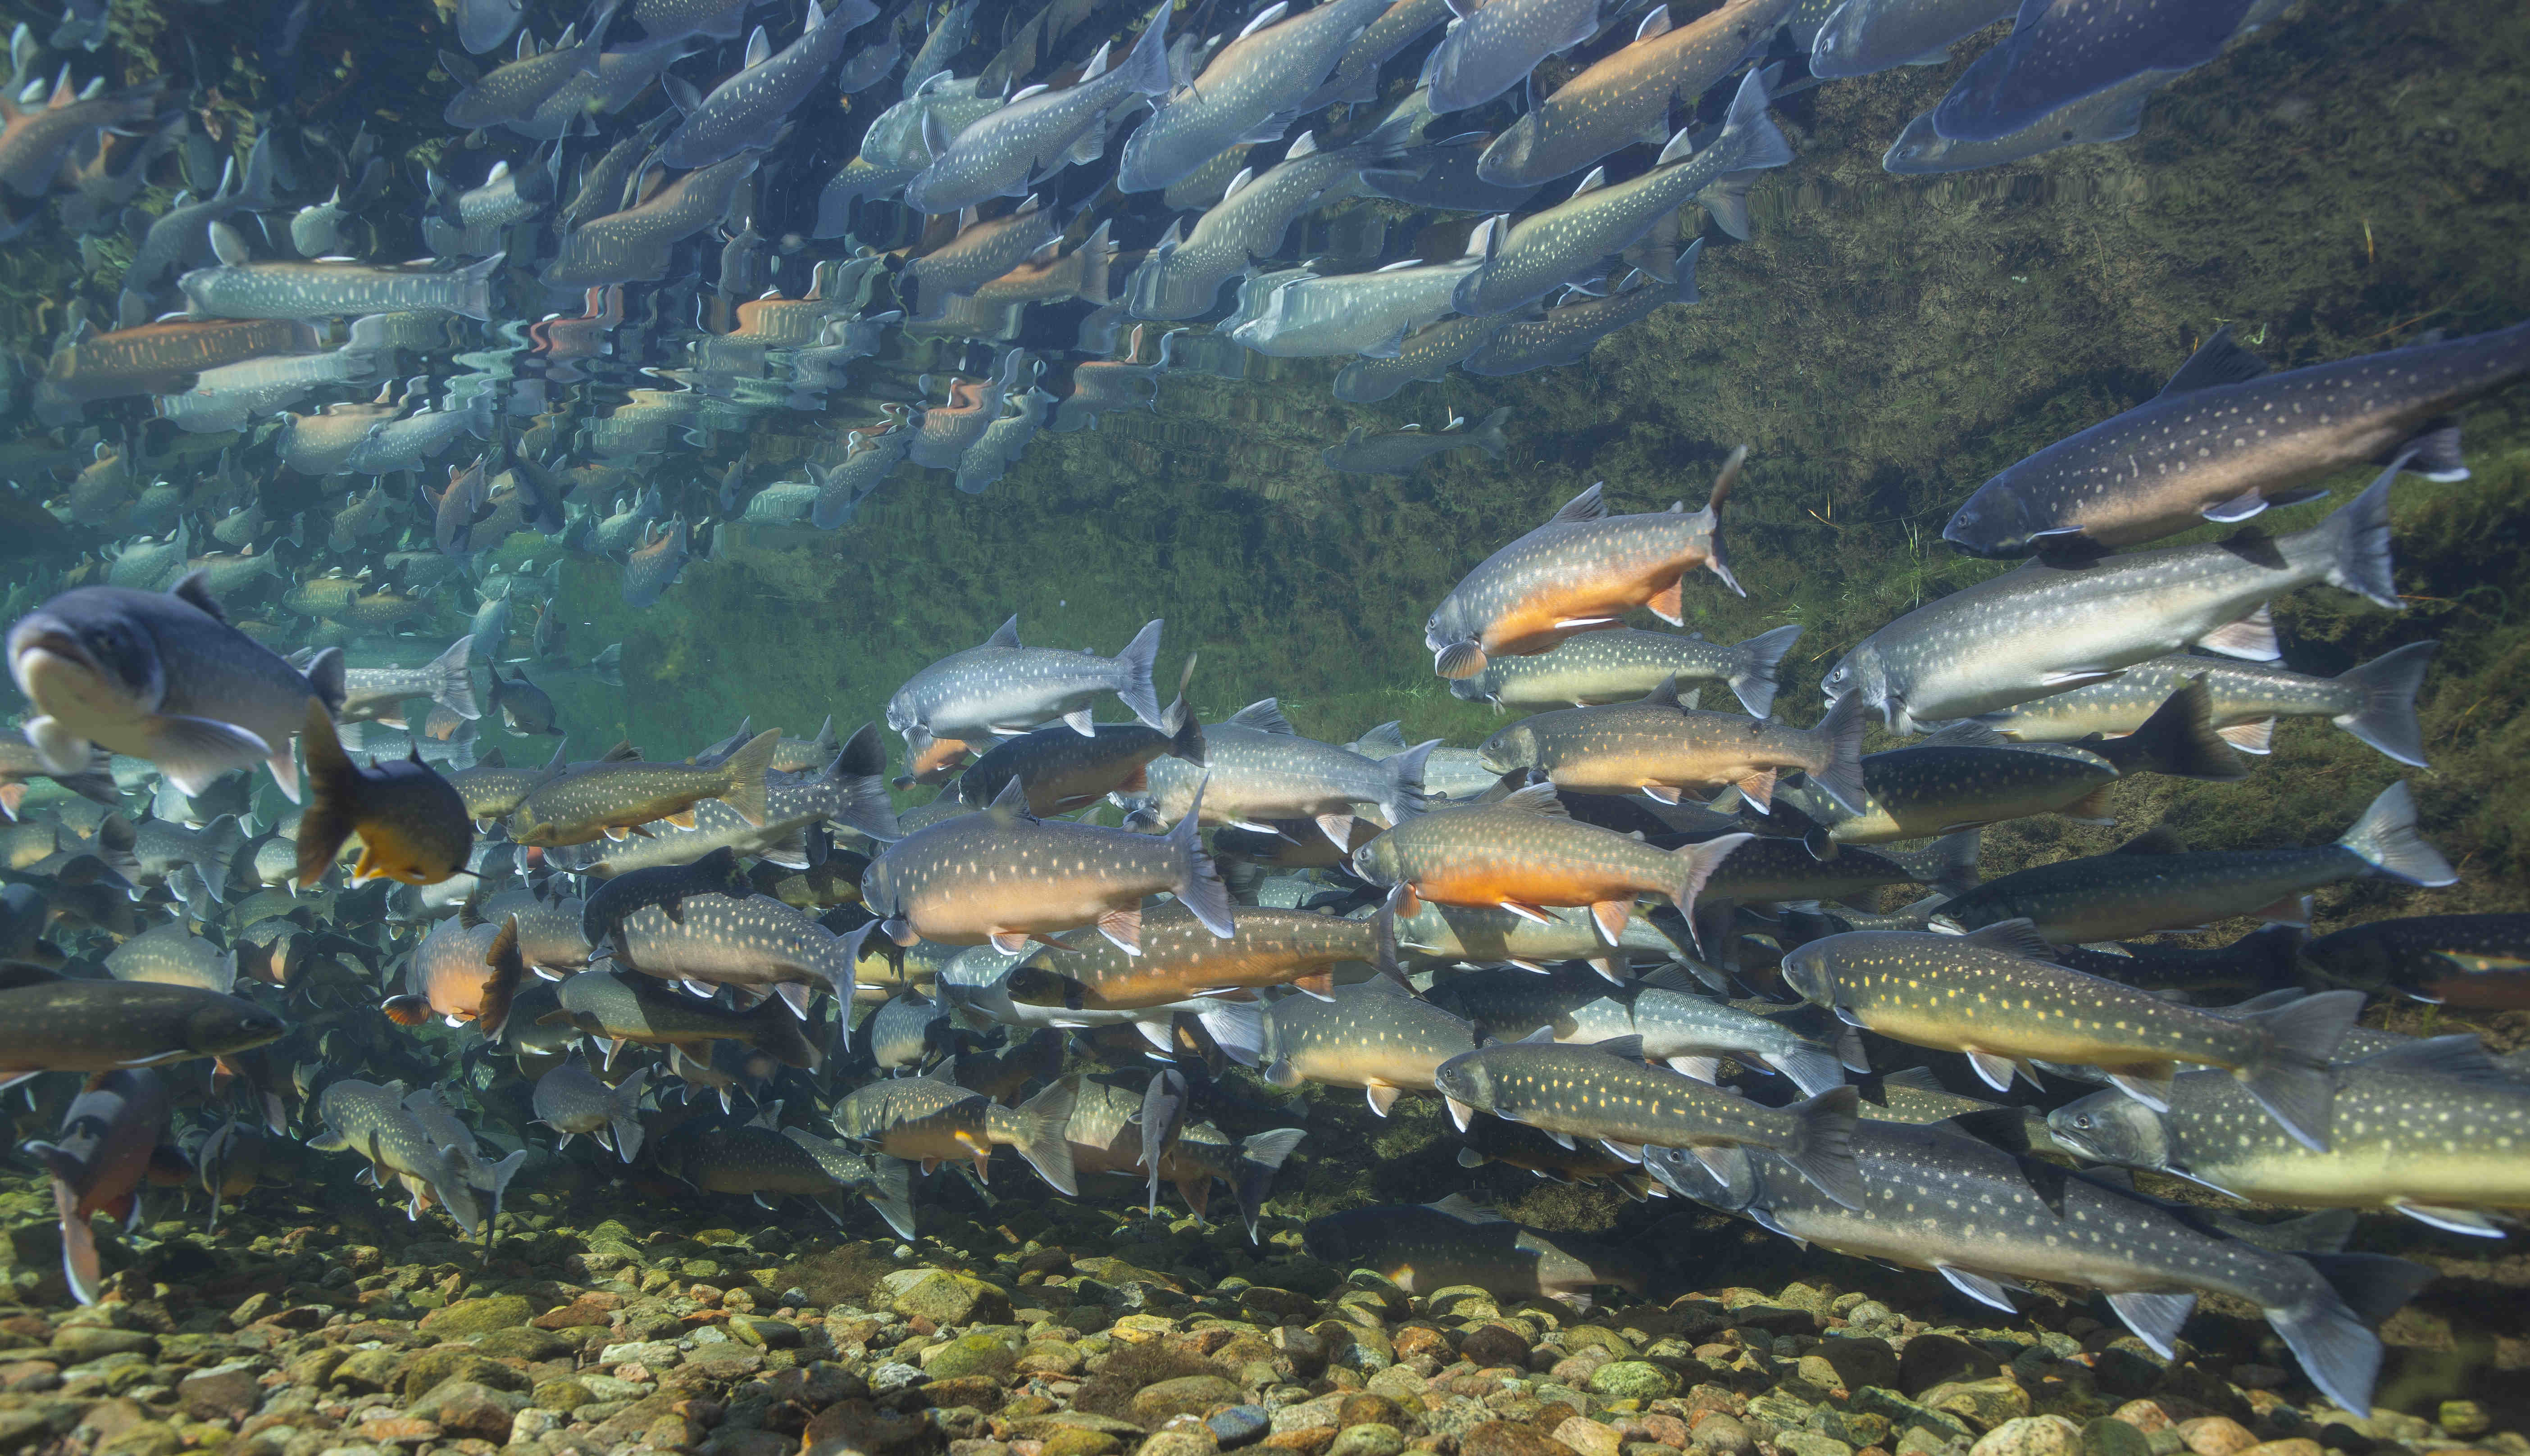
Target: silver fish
point(1246, 94)
point(746, 110)
point(1037, 131)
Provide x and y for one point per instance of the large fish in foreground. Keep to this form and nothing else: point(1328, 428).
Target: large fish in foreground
point(2226, 439)
point(1582, 571)
point(609, 798)
point(746, 110)
point(372, 1120)
point(51, 1023)
point(1918, 1185)
point(1257, 768)
point(1995, 995)
point(2051, 627)
point(1374, 1035)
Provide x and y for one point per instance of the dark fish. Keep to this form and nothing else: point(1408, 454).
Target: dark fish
point(2461, 960)
point(570, 1100)
point(746, 111)
point(1427, 1247)
point(617, 1008)
point(96, 1163)
point(525, 707)
point(48, 1023)
point(2063, 50)
point(666, 886)
point(414, 827)
point(1164, 1116)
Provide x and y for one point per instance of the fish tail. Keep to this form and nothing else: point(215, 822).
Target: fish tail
point(1761, 658)
point(475, 300)
point(333, 794)
point(778, 1035)
point(890, 1191)
point(1198, 883)
point(1260, 1158)
point(1040, 1137)
point(1813, 1070)
point(2177, 740)
point(1715, 560)
point(1840, 734)
point(2385, 839)
point(1134, 668)
point(79, 1264)
point(1749, 144)
point(860, 772)
point(1237, 1028)
point(502, 1172)
point(2333, 1328)
point(2291, 1079)
point(1487, 436)
point(1146, 65)
point(509, 969)
point(1824, 1156)
point(1185, 740)
point(1696, 865)
point(1383, 941)
point(220, 841)
point(453, 686)
point(2387, 715)
point(608, 666)
point(746, 769)
point(2354, 542)
point(1955, 857)
point(1405, 797)
point(1683, 287)
point(625, 1114)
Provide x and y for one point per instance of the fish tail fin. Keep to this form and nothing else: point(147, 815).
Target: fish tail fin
point(452, 678)
point(1040, 1140)
point(509, 970)
point(333, 789)
point(1813, 1070)
point(1260, 1158)
point(2291, 1080)
point(1097, 257)
point(1696, 865)
point(2177, 740)
point(79, 1264)
point(2355, 542)
point(1237, 1028)
point(1683, 287)
point(890, 1192)
point(2385, 839)
point(1146, 65)
point(1487, 436)
point(625, 1113)
point(1134, 668)
point(1383, 941)
point(778, 1035)
point(608, 666)
point(1955, 858)
point(1405, 797)
point(221, 841)
point(1840, 733)
point(1199, 881)
point(474, 290)
point(2333, 1328)
point(1187, 740)
point(860, 772)
point(1761, 658)
point(502, 1172)
point(1749, 144)
point(746, 769)
point(2386, 717)
point(1824, 1156)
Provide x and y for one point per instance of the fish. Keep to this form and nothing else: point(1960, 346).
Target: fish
point(606, 800)
point(40, 128)
point(512, 92)
point(1426, 353)
point(163, 356)
point(96, 1163)
point(2059, 51)
point(1374, 1035)
point(525, 707)
point(1607, 1093)
point(1001, 688)
point(1995, 995)
point(2426, 1130)
point(237, 287)
point(1256, 767)
point(482, 24)
point(909, 1031)
point(1314, 315)
point(163, 676)
point(1525, 261)
point(1622, 663)
point(20, 766)
point(1481, 56)
point(2111, 115)
point(1406, 450)
point(48, 1023)
point(1061, 770)
point(1967, 776)
point(1182, 958)
point(1164, 1106)
point(456, 974)
point(753, 942)
point(2461, 960)
point(746, 111)
point(654, 567)
point(1581, 571)
point(885, 1183)
point(926, 1120)
point(1492, 935)
point(1688, 1032)
point(666, 886)
point(371, 1120)
point(982, 250)
point(1874, 36)
point(617, 1008)
point(170, 954)
point(1355, 77)
point(2226, 439)
point(1625, 97)
point(2047, 627)
point(1423, 1248)
point(1527, 855)
point(414, 827)
point(1244, 93)
point(2150, 885)
point(1038, 130)
point(2375, 701)
point(1660, 746)
point(1006, 876)
point(2151, 1259)
point(1181, 276)
point(633, 244)
point(571, 1100)
point(1566, 333)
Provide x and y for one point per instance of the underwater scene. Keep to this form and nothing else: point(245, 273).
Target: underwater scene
point(1348, 727)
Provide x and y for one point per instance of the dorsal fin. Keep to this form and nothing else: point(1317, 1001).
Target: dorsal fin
point(1537, 798)
point(1389, 737)
point(1264, 715)
point(195, 589)
point(1655, 23)
point(1306, 146)
point(1263, 18)
point(1587, 506)
point(1597, 178)
point(1005, 636)
point(1245, 176)
point(1464, 1209)
point(2221, 360)
point(2161, 839)
point(2017, 936)
point(759, 49)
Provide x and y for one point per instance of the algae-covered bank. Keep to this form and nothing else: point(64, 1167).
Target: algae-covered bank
point(930, 815)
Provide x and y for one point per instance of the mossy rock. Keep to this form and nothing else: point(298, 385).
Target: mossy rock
point(478, 1316)
point(1635, 1380)
point(972, 1355)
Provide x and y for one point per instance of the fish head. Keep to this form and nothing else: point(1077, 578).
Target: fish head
point(904, 716)
point(1864, 670)
point(880, 893)
point(228, 1023)
point(81, 651)
point(1452, 634)
point(1994, 522)
point(1808, 972)
point(1513, 747)
point(1378, 861)
point(2113, 1127)
point(1464, 1078)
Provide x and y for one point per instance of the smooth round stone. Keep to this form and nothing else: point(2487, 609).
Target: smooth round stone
point(1240, 1425)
